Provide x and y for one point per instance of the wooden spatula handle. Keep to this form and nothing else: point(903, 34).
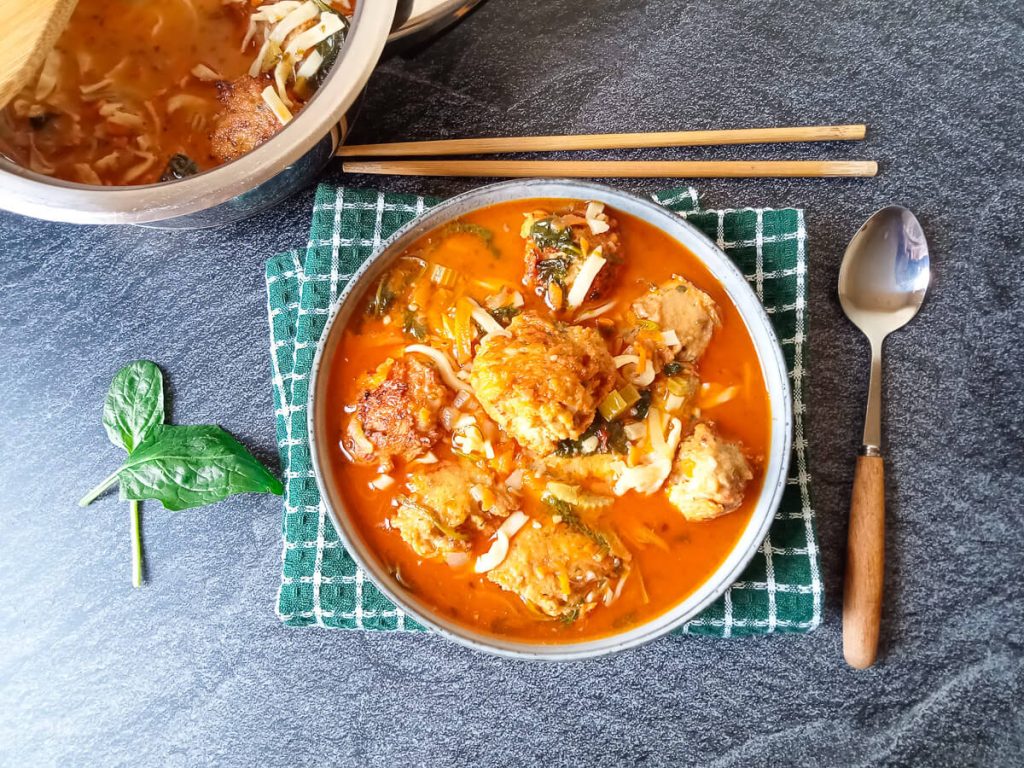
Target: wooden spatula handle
point(865, 563)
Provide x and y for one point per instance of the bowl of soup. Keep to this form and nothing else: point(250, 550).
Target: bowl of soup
point(550, 419)
point(190, 113)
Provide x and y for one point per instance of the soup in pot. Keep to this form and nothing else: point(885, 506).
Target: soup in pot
point(137, 92)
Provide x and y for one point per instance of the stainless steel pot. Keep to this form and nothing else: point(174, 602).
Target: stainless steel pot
point(417, 20)
point(323, 414)
point(288, 162)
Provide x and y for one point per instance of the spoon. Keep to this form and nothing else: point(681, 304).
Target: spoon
point(30, 29)
point(882, 283)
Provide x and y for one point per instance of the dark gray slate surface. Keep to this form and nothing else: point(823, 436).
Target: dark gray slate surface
point(194, 669)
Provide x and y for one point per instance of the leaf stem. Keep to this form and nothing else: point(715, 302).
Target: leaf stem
point(92, 495)
point(133, 506)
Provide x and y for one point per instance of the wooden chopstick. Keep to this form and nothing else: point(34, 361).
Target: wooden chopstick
point(494, 145)
point(587, 169)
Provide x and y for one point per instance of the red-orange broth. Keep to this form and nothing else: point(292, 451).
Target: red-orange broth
point(131, 86)
point(694, 549)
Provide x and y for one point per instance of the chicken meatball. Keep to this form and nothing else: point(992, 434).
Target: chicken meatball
point(563, 569)
point(245, 122)
point(557, 245)
point(542, 382)
point(445, 505)
point(680, 306)
point(708, 477)
point(397, 412)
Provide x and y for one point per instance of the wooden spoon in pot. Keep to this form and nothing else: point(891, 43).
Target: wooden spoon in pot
point(30, 30)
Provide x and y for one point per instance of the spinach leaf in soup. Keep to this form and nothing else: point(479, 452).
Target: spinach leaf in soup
point(179, 167)
point(505, 314)
point(414, 326)
point(134, 404)
point(329, 48)
point(552, 269)
point(642, 406)
point(546, 234)
point(190, 466)
point(382, 299)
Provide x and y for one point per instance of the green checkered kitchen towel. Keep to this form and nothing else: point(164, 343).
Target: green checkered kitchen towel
point(781, 589)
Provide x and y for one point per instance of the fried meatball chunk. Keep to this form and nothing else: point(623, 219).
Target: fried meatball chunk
point(708, 477)
point(542, 381)
point(397, 412)
point(563, 569)
point(557, 245)
point(447, 503)
point(680, 306)
point(245, 122)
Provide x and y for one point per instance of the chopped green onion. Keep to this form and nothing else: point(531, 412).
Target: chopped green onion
point(617, 402)
point(678, 385)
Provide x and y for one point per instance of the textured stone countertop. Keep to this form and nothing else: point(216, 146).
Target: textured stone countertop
point(195, 669)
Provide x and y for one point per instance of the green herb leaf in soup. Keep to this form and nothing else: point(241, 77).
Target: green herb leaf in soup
point(328, 49)
point(189, 466)
point(179, 167)
point(546, 233)
point(134, 404)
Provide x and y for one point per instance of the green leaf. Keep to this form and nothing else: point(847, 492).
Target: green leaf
point(179, 167)
point(504, 315)
point(135, 403)
point(189, 466)
point(547, 233)
point(329, 47)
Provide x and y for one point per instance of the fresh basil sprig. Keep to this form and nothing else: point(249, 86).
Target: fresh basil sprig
point(181, 466)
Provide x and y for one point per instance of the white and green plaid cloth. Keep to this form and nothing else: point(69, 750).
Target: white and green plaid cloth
point(781, 589)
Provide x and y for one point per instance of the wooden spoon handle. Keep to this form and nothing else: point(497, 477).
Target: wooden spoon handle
point(865, 563)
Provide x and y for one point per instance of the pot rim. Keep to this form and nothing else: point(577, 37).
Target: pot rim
point(773, 367)
point(32, 194)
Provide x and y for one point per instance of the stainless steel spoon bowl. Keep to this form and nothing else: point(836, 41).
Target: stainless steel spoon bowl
point(882, 284)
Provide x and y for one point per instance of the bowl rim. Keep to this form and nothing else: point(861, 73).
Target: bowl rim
point(766, 344)
point(28, 193)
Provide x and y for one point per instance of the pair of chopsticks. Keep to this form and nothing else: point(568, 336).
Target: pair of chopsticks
point(611, 168)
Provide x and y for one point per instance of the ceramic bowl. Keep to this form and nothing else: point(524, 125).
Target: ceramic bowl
point(324, 414)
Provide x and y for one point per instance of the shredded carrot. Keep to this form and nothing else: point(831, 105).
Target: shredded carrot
point(554, 296)
point(641, 352)
point(563, 582)
point(503, 462)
